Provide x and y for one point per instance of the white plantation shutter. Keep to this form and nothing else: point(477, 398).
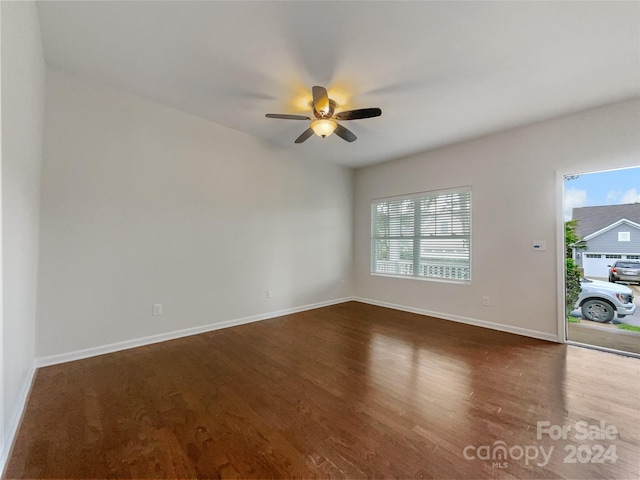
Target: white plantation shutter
point(424, 235)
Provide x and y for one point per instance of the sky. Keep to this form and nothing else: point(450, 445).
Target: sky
point(613, 187)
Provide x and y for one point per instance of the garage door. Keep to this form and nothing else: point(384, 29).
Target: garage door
point(596, 265)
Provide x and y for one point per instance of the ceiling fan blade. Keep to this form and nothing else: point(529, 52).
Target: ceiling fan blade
point(287, 116)
point(345, 134)
point(306, 134)
point(358, 114)
point(320, 99)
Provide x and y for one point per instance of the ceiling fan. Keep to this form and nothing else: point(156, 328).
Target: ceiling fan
point(324, 121)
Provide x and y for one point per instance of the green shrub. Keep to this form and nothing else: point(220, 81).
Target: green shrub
point(572, 283)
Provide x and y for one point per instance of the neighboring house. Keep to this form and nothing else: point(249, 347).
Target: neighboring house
point(608, 233)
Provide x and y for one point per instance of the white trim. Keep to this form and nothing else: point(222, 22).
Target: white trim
point(163, 337)
point(417, 234)
point(561, 185)
point(469, 321)
point(613, 225)
point(14, 423)
point(4, 449)
point(624, 236)
point(608, 253)
point(422, 278)
point(4, 446)
point(428, 193)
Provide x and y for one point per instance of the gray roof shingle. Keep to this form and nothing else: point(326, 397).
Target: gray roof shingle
point(592, 219)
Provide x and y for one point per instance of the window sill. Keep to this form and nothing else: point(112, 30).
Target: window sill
point(424, 279)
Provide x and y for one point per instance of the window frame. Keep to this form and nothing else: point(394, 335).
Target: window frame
point(624, 236)
point(416, 238)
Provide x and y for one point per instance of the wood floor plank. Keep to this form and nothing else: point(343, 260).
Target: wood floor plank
point(347, 391)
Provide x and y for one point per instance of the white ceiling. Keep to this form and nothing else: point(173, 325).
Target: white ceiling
point(442, 72)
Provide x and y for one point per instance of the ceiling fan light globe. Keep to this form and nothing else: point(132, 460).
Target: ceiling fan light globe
point(323, 127)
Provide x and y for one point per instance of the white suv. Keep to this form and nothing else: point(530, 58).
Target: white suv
point(600, 300)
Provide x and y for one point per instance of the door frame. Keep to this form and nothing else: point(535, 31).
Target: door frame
point(560, 255)
point(560, 261)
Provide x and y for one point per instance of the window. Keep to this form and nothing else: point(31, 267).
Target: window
point(624, 236)
point(613, 256)
point(426, 235)
point(593, 255)
point(626, 265)
point(633, 257)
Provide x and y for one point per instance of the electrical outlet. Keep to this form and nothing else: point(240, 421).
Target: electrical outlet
point(269, 294)
point(486, 301)
point(156, 309)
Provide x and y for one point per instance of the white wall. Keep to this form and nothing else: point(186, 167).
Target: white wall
point(143, 204)
point(516, 196)
point(23, 78)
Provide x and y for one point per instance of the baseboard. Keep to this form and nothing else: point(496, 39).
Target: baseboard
point(469, 321)
point(14, 422)
point(162, 337)
point(139, 342)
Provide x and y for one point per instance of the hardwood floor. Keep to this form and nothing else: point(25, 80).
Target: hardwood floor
point(350, 390)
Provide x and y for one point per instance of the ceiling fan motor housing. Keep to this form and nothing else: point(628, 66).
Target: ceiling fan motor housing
point(321, 114)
